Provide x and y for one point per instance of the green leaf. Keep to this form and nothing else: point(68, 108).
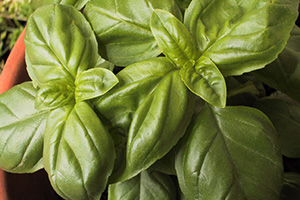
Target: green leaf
point(136, 82)
point(290, 187)
point(230, 153)
point(59, 44)
point(78, 152)
point(166, 164)
point(147, 185)
point(21, 130)
point(241, 36)
point(157, 125)
point(286, 118)
point(173, 38)
point(78, 4)
point(206, 81)
point(54, 94)
point(105, 64)
point(122, 28)
point(94, 83)
point(283, 74)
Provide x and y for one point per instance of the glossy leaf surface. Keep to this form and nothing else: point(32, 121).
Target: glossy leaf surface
point(135, 83)
point(206, 81)
point(284, 73)
point(54, 94)
point(159, 122)
point(21, 130)
point(59, 44)
point(78, 4)
point(122, 28)
point(230, 153)
point(147, 185)
point(94, 83)
point(173, 38)
point(241, 36)
point(290, 187)
point(286, 118)
point(78, 153)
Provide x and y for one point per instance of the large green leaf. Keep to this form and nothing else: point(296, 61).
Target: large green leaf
point(59, 44)
point(290, 187)
point(94, 83)
point(230, 153)
point(157, 125)
point(78, 152)
point(284, 73)
point(149, 185)
point(135, 83)
point(286, 119)
point(175, 41)
point(206, 81)
point(21, 130)
point(241, 36)
point(122, 28)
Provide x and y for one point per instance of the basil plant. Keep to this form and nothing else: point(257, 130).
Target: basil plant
point(158, 100)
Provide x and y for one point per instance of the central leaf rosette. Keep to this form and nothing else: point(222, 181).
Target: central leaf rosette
point(198, 72)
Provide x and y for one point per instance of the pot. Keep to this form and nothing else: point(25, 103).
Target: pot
point(35, 186)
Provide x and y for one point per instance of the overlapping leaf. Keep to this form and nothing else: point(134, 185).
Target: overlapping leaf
point(230, 153)
point(78, 152)
point(21, 131)
point(59, 44)
point(286, 119)
point(291, 186)
point(122, 28)
point(241, 36)
point(147, 185)
point(173, 38)
point(283, 74)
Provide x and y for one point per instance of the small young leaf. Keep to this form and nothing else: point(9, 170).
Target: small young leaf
point(78, 152)
point(206, 81)
point(147, 185)
point(94, 83)
point(230, 153)
point(21, 131)
point(286, 119)
point(54, 94)
point(241, 36)
point(122, 28)
point(173, 38)
point(59, 44)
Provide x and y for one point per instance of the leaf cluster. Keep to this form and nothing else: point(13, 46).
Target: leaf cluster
point(189, 114)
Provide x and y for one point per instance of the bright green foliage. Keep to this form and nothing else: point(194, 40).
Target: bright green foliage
point(78, 4)
point(122, 28)
point(94, 83)
point(147, 185)
point(162, 120)
point(241, 36)
point(206, 81)
point(59, 44)
point(78, 152)
point(21, 130)
point(230, 153)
